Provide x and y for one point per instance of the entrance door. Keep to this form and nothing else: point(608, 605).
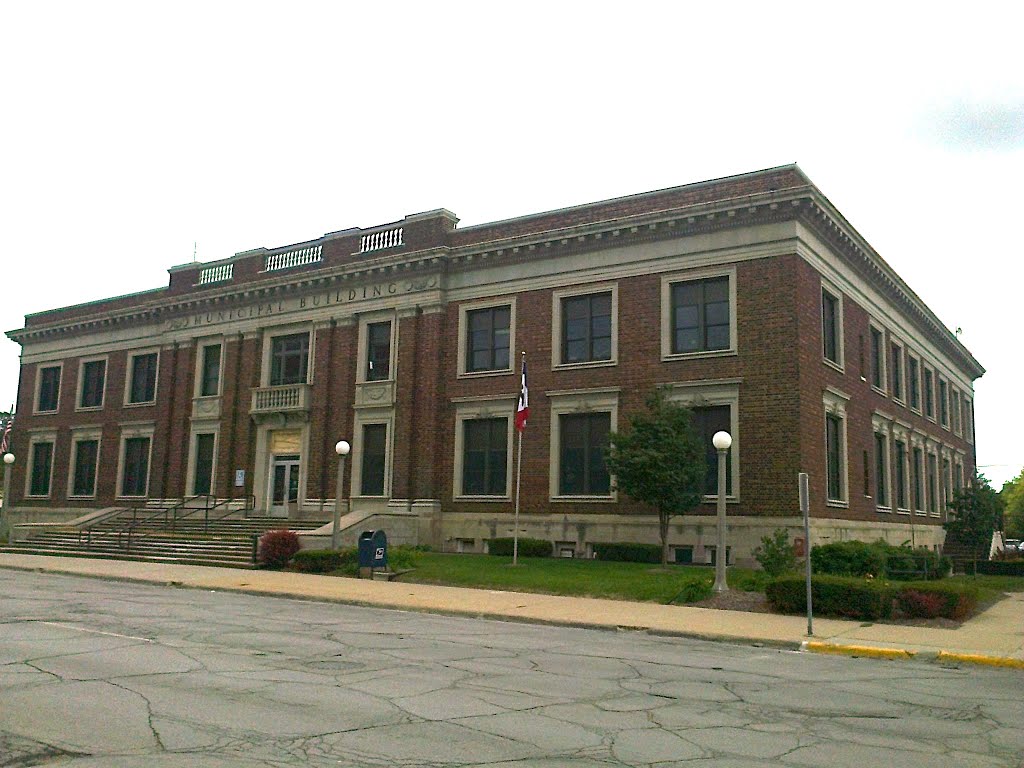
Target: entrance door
point(284, 496)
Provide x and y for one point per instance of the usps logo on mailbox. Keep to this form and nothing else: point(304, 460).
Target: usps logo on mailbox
point(378, 554)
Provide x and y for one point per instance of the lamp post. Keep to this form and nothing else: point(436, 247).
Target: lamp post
point(8, 461)
point(722, 442)
point(342, 449)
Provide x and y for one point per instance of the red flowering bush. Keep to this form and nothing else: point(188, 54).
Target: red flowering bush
point(921, 605)
point(276, 548)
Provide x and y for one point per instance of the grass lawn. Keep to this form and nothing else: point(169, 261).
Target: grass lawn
point(585, 578)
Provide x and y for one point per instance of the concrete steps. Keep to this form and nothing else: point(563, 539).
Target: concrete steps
point(228, 542)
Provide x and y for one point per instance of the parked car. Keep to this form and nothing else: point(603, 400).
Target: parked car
point(1013, 545)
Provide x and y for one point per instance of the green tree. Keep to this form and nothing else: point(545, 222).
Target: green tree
point(1012, 497)
point(975, 516)
point(660, 461)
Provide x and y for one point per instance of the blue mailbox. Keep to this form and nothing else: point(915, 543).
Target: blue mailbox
point(373, 549)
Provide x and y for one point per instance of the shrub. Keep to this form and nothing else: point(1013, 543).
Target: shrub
point(999, 567)
point(909, 564)
point(833, 596)
point(324, 560)
point(403, 558)
point(276, 548)
point(915, 604)
point(776, 554)
point(693, 591)
point(527, 547)
point(628, 552)
point(848, 558)
point(927, 599)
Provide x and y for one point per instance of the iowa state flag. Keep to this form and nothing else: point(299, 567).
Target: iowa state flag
point(523, 409)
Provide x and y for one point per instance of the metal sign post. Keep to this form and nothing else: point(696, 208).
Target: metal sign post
point(805, 508)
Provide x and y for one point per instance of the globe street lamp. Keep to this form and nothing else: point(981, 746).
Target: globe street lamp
point(342, 449)
point(722, 442)
point(8, 461)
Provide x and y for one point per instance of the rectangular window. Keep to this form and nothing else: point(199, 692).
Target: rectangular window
point(700, 315)
point(49, 388)
point(933, 484)
point(42, 464)
point(943, 403)
point(956, 412)
point(487, 338)
point(93, 377)
point(929, 394)
point(901, 475)
point(587, 328)
point(289, 359)
point(142, 388)
point(378, 351)
point(914, 382)
point(202, 484)
point(209, 376)
point(968, 406)
point(834, 454)
point(830, 326)
point(881, 473)
point(371, 479)
point(707, 420)
point(135, 477)
point(485, 455)
point(897, 372)
point(87, 454)
point(583, 440)
point(917, 479)
point(877, 361)
point(947, 480)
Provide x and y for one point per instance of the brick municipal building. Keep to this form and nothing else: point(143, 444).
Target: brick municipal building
point(749, 298)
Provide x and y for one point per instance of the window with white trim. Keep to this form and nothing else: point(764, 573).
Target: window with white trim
point(209, 370)
point(928, 379)
point(585, 326)
point(701, 315)
point(836, 459)
point(832, 326)
point(486, 338)
point(142, 373)
point(483, 459)
point(85, 460)
point(877, 359)
point(40, 468)
point(715, 404)
point(48, 388)
point(580, 423)
point(205, 453)
point(92, 376)
point(289, 359)
point(134, 459)
point(933, 484)
point(913, 383)
point(917, 478)
point(896, 370)
point(943, 403)
point(882, 470)
point(900, 465)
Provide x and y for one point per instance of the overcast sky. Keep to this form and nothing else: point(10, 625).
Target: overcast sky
point(132, 131)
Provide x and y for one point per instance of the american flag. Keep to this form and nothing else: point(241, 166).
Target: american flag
point(5, 441)
point(523, 408)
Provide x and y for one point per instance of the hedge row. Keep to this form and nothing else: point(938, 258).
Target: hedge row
point(527, 547)
point(628, 552)
point(325, 560)
point(998, 567)
point(870, 599)
point(878, 559)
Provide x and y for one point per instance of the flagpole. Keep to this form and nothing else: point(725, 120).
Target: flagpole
point(515, 523)
point(522, 413)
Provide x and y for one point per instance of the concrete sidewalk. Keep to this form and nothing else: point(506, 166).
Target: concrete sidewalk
point(996, 637)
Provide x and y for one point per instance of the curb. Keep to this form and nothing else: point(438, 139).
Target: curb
point(941, 657)
point(814, 646)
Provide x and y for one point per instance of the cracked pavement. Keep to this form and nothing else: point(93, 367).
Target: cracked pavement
point(96, 673)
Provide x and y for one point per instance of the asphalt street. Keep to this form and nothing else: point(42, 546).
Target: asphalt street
point(100, 673)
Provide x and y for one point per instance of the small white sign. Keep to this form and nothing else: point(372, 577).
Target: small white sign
point(239, 478)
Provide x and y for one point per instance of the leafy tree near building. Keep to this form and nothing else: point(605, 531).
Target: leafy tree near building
point(660, 461)
point(975, 511)
point(1012, 496)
